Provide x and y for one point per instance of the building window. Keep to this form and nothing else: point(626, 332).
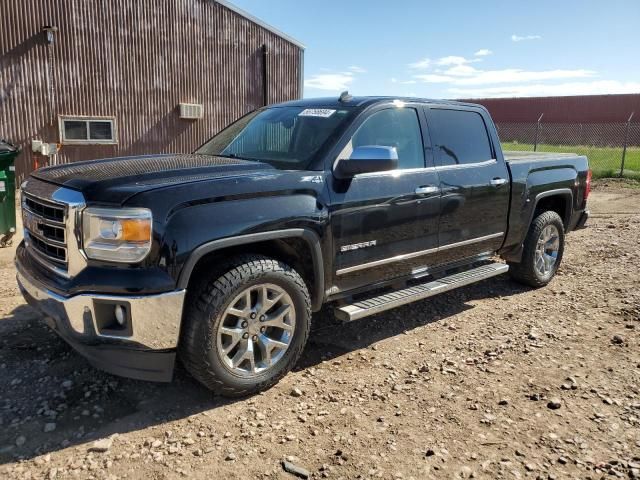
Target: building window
point(88, 130)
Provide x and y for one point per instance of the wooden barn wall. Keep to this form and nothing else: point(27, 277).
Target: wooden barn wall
point(135, 61)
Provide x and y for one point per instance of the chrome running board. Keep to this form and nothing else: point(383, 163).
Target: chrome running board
point(387, 301)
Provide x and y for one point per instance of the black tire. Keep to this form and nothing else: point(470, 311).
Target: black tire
point(204, 314)
point(525, 271)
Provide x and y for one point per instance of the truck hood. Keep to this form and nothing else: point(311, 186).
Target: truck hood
point(113, 180)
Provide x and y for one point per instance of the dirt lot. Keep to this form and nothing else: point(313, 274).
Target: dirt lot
point(457, 386)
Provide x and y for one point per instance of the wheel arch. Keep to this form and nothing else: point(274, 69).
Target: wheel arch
point(289, 245)
point(558, 200)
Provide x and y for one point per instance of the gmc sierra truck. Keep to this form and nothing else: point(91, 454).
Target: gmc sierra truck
point(220, 257)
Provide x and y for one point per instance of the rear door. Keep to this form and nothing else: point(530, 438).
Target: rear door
point(474, 182)
point(385, 224)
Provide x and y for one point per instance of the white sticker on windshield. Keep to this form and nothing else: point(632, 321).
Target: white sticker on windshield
point(317, 112)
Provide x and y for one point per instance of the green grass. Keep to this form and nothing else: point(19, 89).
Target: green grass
point(604, 161)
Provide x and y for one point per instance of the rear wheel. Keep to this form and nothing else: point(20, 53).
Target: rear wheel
point(543, 249)
point(247, 327)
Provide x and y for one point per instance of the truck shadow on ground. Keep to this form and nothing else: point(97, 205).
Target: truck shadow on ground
point(52, 398)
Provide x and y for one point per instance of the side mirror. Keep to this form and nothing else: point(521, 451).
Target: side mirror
point(366, 159)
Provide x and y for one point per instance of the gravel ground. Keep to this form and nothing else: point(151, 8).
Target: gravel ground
point(490, 381)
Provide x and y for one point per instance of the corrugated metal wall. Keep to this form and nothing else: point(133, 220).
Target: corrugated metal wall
point(135, 60)
point(575, 109)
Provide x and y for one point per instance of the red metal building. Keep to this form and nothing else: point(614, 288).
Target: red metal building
point(574, 109)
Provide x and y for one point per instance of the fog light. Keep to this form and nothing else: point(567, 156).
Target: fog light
point(121, 314)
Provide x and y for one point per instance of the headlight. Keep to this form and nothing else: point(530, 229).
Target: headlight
point(117, 234)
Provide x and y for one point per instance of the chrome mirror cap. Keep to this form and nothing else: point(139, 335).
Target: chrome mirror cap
point(374, 152)
point(366, 159)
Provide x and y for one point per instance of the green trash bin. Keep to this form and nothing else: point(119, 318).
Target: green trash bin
point(8, 154)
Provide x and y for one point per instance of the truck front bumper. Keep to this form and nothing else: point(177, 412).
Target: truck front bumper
point(142, 347)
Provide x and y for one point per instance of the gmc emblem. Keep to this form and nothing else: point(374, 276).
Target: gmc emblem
point(30, 222)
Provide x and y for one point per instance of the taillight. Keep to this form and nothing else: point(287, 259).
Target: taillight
point(587, 186)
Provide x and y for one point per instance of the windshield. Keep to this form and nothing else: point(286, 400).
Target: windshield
point(288, 138)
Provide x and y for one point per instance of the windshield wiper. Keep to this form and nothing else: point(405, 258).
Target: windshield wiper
point(230, 155)
point(233, 155)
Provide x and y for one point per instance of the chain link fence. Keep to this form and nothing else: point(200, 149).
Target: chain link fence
point(613, 149)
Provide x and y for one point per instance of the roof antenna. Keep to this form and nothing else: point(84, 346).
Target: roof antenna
point(345, 96)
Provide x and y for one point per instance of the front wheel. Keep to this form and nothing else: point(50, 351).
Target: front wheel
point(247, 327)
point(543, 249)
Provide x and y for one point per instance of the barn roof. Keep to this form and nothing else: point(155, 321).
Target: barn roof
point(257, 21)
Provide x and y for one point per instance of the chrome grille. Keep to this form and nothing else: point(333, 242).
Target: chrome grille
point(51, 216)
point(45, 230)
point(49, 212)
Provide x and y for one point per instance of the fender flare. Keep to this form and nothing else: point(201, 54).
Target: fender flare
point(310, 237)
point(560, 192)
point(514, 253)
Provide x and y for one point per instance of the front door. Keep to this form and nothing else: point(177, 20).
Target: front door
point(474, 183)
point(385, 224)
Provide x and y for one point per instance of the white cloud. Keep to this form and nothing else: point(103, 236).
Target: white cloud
point(483, 52)
point(467, 75)
point(461, 71)
point(461, 78)
point(449, 61)
point(420, 64)
point(330, 81)
point(357, 69)
point(434, 78)
point(522, 38)
point(535, 90)
point(394, 80)
point(452, 60)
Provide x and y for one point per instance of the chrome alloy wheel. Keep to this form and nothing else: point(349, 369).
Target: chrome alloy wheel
point(256, 329)
point(547, 249)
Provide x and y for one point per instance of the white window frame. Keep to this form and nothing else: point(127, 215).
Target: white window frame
point(88, 120)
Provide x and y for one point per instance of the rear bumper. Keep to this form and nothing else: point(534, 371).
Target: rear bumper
point(144, 349)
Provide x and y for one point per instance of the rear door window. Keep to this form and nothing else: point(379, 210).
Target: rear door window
point(460, 137)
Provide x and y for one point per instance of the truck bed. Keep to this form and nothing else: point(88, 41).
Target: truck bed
point(517, 155)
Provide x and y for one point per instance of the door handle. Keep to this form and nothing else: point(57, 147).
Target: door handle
point(496, 182)
point(427, 189)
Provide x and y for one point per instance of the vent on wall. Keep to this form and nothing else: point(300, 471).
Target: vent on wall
point(191, 111)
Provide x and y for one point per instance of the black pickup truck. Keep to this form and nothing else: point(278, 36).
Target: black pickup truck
point(221, 256)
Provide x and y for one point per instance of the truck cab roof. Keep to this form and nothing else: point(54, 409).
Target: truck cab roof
point(363, 101)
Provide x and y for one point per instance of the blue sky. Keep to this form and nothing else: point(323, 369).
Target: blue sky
point(462, 49)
